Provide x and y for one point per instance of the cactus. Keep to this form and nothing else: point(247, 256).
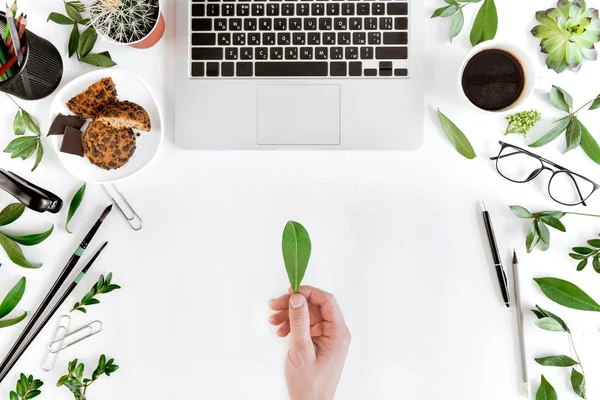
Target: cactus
point(125, 21)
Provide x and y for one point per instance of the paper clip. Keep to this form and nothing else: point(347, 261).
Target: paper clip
point(86, 331)
point(135, 221)
point(62, 329)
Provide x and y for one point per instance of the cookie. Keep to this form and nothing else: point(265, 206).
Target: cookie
point(94, 99)
point(125, 114)
point(108, 147)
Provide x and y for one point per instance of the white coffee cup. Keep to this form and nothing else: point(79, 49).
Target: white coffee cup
point(531, 83)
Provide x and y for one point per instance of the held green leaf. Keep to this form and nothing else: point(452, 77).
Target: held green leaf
point(521, 212)
point(74, 206)
point(59, 19)
point(87, 41)
point(559, 127)
point(296, 248)
point(573, 134)
point(567, 294)
point(30, 240)
point(561, 99)
point(578, 383)
point(486, 23)
point(546, 391)
point(589, 144)
point(18, 124)
point(456, 137)
point(556, 361)
point(15, 253)
point(12, 298)
point(11, 213)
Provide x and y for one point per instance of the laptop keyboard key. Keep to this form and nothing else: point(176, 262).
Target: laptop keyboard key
point(355, 68)
point(391, 53)
point(198, 10)
point(202, 25)
point(276, 53)
point(246, 53)
point(212, 69)
point(314, 38)
point(231, 53)
point(395, 38)
point(366, 53)
point(306, 53)
point(338, 68)
point(207, 53)
point(198, 69)
point(397, 8)
point(227, 69)
point(243, 69)
point(203, 39)
point(322, 53)
point(290, 68)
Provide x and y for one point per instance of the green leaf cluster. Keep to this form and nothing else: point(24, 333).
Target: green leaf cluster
point(81, 44)
point(77, 384)
point(10, 302)
point(485, 25)
point(24, 147)
point(74, 206)
point(10, 243)
point(576, 133)
point(27, 388)
point(538, 231)
point(551, 322)
point(584, 254)
point(296, 248)
point(456, 137)
point(103, 286)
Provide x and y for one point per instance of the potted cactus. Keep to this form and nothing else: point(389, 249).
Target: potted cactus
point(138, 23)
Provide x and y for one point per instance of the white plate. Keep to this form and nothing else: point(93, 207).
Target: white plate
point(129, 87)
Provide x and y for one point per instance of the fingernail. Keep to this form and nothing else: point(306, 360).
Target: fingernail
point(297, 301)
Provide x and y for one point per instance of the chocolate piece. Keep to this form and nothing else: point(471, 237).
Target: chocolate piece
point(72, 142)
point(62, 121)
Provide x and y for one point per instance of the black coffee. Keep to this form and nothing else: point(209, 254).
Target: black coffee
point(493, 79)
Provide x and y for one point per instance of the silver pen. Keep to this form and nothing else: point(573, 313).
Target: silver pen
point(520, 324)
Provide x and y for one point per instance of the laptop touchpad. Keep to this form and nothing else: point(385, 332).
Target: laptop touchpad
point(298, 114)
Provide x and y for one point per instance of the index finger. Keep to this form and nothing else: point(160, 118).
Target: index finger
point(330, 310)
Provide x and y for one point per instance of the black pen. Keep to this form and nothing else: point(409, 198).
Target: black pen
point(496, 256)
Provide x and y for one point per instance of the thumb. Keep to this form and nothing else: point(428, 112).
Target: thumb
point(299, 315)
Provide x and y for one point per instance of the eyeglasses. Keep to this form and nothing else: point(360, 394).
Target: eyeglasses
point(565, 186)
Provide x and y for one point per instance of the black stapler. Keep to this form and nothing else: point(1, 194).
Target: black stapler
point(32, 196)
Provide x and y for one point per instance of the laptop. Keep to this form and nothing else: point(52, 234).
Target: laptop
point(299, 74)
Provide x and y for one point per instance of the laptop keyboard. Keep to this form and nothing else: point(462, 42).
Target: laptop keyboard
point(299, 38)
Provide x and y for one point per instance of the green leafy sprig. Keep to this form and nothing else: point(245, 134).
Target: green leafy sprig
point(77, 384)
point(457, 137)
point(584, 254)
point(551, 322)
point(10, 302)
point(296, 248)
point(522, 122)
point(81, 44)
point(10, 243)
point(24, 147)
point(485, 25)
point(27, 388)
point(74, 206)
point(538, 231)
point(576, 133)
point(103, 286)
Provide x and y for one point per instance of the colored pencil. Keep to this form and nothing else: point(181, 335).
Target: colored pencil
point(14, 33)
point(16, 351)
point(11, 61)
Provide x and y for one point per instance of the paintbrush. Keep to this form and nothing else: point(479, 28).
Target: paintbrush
point(15, 353)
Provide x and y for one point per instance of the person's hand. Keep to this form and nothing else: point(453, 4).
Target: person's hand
point(319, 342)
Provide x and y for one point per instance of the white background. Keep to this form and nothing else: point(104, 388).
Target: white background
point(397, 237)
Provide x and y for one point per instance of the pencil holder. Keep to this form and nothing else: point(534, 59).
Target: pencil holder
point(41, 71)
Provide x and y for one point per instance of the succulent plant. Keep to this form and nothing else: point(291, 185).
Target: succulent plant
point(125, 21)
point(568, 34)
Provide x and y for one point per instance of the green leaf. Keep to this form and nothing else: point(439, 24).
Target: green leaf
point(532, 238)
point(100, 283)
point(74, 40)
point(14, 396)
point(92, 302)
point(87, 41)
point(561, 99)
point(596, 263)
point(15, 253)
point(556, 361)
point(589, 144)
point(595, 104)
point(74, 206)
point(573, 134)
point(578, 383)
point(458, 21)
point(594, 243)
point(59, 19)
point(30, 240)
point(11, 213)
point(543, 231)
point(575, 256)
point(521, 212)
point(546, 391)
point(12, 298)
point(486, 23)
point(582, 264)
point(445, 11)
point(583, 250)
point(555, 214)
point(39, 156)
point(73, 12)
point(110, 288)
point(555, 317)
point(553, 222)
point(549, 324)
point(559, 127)
point(456, 137)
point(296, 248)
point(538, 314)
point(79, 371)
point(99, 60)
point(22, 147)
point(5, 323)
point(30, 122)
point(32, 394)
point(18, 124)
point(21, 388)
point(567, 294)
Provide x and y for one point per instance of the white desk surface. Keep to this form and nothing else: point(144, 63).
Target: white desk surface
point(397, 237)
